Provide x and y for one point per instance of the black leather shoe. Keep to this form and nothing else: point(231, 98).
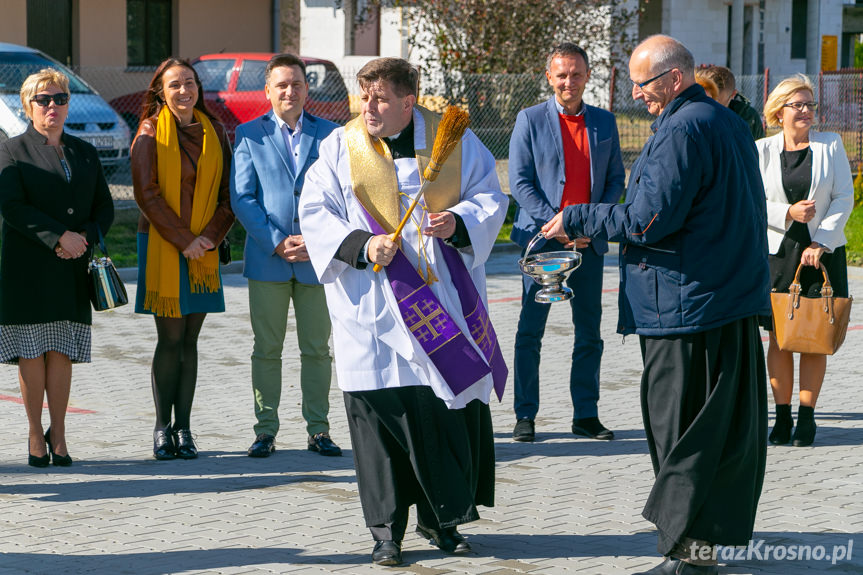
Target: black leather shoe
point(186, 448)
point(163, 444)
point(673, 566)
point(591, 427)
point(322, 443)
point(387, 553)
point(524, 430)
point(447, 539)
point(264, 446)
point(59, 460)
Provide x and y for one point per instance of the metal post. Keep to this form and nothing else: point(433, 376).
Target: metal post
point(859, 95)
point(820, 91)
point(611, 89)
point(737, 39)
point(275, 14)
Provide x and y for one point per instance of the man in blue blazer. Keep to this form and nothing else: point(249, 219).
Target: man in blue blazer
point(271, 157)
point(563, 152)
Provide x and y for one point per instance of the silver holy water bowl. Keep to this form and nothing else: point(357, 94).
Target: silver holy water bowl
point(549, 269)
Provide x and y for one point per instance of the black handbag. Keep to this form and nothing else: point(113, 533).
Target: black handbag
point(225, 252)
point(106, 289)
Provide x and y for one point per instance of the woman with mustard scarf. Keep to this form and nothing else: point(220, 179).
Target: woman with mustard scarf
point(180, 171)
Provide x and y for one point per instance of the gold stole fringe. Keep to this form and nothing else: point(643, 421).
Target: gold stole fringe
point(163, 265)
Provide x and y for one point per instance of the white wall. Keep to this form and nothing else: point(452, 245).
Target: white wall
point(322, 30)
point(702, 26)
point(322, 35)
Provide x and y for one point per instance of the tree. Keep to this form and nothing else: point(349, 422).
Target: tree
point(513, 36)
point(490, 54)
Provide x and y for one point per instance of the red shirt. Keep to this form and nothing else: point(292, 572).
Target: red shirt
point(576, 156)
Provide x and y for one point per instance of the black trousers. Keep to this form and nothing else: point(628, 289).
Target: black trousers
point(410, 449)
point(704, 403)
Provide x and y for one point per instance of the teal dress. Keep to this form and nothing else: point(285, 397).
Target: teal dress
point(205, 302)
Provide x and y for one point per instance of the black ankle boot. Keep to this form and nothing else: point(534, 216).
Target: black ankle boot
point(781, 433)
point(805, 433)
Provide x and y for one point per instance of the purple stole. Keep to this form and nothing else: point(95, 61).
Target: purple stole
point(439, 336)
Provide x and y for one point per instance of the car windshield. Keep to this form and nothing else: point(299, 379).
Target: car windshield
point(325, 83)
point(252, 76)
point(16, 66)
point(214, 74)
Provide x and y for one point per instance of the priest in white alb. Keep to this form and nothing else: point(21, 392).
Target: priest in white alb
point(416, 354)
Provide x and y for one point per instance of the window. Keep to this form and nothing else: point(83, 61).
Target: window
point(148, 32)
point(325, 83)
point(363, 28)
point(798, 28)
point(16, 66)
point(252, 76)
point(215, 74)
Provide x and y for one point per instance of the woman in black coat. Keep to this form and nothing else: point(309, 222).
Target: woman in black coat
point(52, 196)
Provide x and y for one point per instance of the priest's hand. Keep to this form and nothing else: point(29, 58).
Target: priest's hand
point(381, 250)
point(441, 225)
point(553, 229)
point(293, 249)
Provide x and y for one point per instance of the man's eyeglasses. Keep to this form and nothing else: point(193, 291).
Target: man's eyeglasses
point(657, 77)
point(800, 106)
point(44, 100)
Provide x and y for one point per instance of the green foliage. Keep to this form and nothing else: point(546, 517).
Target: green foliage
point(858, 53)
point(503, 234)
point(854, 237)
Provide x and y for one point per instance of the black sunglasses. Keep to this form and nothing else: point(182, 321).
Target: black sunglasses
point(44, 100)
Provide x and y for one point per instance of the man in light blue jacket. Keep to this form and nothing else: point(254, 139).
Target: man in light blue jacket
point(271, 157)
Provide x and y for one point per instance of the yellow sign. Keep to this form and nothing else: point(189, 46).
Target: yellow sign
point(829, 53)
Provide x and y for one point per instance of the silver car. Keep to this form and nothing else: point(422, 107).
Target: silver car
point(90, 117)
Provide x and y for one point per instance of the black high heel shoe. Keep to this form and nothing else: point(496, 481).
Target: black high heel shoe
point(34, 461)
point(59, 460)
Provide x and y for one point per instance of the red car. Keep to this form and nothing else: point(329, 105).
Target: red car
point(234, 90)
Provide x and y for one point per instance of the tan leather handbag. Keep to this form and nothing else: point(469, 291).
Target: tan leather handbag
point(810, 325)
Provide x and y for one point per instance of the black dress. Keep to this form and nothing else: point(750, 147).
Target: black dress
point(797, 180)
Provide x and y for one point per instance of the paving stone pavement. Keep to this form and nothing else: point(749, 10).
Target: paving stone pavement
point(564, 505)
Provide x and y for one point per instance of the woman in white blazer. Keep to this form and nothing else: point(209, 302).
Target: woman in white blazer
point(810, 194)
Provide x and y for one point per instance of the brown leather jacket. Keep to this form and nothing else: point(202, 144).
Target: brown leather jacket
point(145, 180)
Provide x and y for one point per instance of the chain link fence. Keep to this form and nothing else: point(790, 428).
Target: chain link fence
point(840, 109)
point(106, 104)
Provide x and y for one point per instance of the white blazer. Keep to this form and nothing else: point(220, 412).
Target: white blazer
point(832, 189)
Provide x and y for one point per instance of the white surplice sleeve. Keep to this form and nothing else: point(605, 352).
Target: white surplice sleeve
point(323, 209)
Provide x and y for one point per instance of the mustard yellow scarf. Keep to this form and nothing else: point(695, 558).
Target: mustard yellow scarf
point(163, 262)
